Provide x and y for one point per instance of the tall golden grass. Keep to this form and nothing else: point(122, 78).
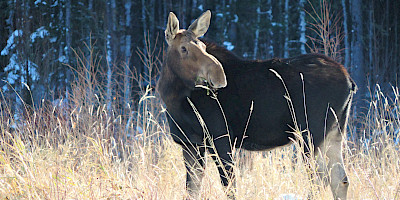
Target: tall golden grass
point(80, 150)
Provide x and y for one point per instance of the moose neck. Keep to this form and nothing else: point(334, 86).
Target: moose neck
point(171, 88)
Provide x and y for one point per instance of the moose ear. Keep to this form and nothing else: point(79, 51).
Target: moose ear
point(200, 26)
point(172, 28)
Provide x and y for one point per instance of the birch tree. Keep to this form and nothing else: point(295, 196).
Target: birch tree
point(110, 9)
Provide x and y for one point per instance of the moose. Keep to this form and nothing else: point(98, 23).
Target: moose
point(214, 98)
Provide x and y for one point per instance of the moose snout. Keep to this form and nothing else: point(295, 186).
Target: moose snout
point(214, 72)
point(217, 78)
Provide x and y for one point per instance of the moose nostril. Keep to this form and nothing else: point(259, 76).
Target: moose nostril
point(211, 83)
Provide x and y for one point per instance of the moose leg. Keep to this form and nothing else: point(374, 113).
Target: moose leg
point(221, 153)
point(330, 164)
point(193, 156)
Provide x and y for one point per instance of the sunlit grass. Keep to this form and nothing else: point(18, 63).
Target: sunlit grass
point(52, 158)
point(84, 151)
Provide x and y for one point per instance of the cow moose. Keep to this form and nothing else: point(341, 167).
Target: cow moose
point(309, 91)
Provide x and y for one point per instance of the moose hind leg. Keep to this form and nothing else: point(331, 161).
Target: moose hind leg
point(330, 164)
point(194, 162)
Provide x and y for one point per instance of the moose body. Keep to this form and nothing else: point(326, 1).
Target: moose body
point(257, 106)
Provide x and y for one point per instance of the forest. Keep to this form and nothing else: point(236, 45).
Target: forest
point(80, 117)
point(43, 43)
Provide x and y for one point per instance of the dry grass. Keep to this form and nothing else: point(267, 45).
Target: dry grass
point(57, 153)
point(83, 151)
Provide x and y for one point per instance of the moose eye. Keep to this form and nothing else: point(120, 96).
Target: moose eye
point(183, 49)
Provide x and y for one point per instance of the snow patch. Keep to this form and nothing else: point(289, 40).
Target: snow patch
point(40, 1)
point(53, 39)
point(54, 4)
point(229, 45)
point(40, 32)
point(62, 59)
point(236, 19)
point(32, 70)
point(276, 24)
point(10, 42)
point(288, 197)
point(12, 69)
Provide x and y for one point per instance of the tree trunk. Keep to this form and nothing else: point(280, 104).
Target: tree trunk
point(270, 32)
point(286, 21)
point(127, 74)
point(387, 45)
point(89, 58)
point(396, 38)
point(370, 42)
point(302, 27)
point(145, 29)
point(68, 38)
point(110, 53)
point(346, 36)
point(358, 57)
point(257, 30)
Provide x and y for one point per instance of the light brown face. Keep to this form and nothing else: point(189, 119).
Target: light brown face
point(187, 56)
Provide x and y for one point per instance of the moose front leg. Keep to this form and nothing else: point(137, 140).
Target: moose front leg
point(194, 162)
point(221, 153)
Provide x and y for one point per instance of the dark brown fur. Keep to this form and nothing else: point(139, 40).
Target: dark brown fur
point(326, 84)
point(322, 98)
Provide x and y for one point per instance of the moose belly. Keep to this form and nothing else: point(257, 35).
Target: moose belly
point(266, 141)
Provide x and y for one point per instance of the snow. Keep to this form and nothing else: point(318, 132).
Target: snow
point(54, 4)
point(288, 197)
point(40, 1)
point(276, 24)
point(32, 70)
point(236, 19)
point(12, 69)
point(53, 39)
point(10, 42)
point(40, 32)
point(229, 45)
point(62, 59)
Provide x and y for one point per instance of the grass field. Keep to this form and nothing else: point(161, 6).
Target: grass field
point(86, 152)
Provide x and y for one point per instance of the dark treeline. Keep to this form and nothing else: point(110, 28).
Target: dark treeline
point(118, 40)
